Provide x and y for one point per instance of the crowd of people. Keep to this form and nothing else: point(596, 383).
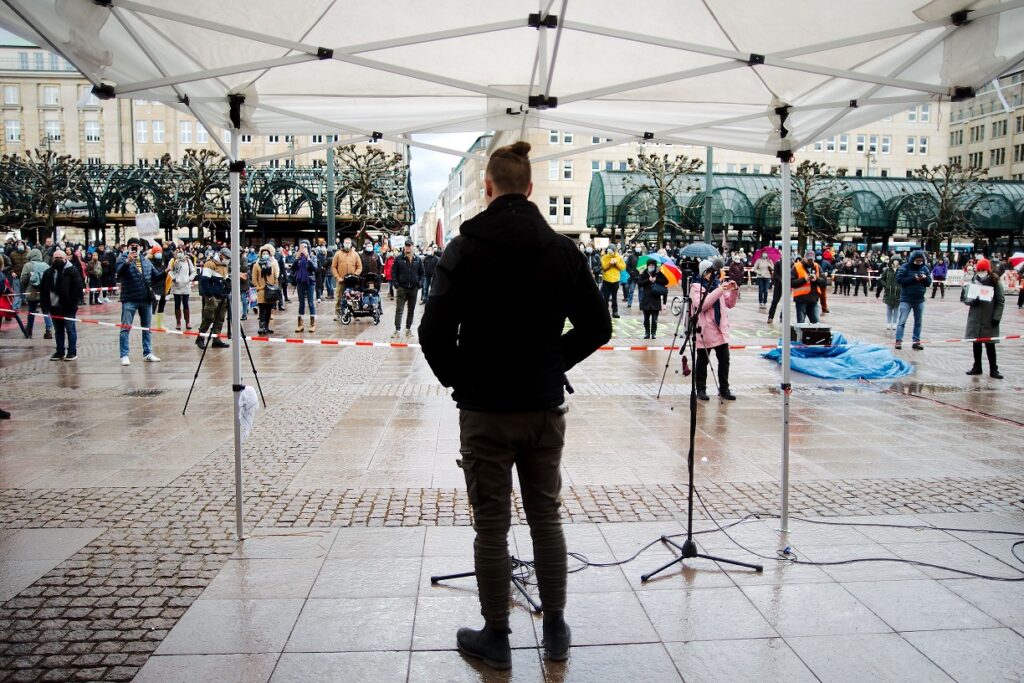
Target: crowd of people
point(56, 278)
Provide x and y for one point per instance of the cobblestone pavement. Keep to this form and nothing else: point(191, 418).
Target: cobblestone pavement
point(116, 512)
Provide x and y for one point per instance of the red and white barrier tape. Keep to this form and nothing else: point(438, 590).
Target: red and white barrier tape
point(415, 345)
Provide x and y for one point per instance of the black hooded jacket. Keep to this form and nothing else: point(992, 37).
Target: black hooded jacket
point(493, 327)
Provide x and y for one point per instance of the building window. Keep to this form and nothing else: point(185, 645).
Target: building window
point(158, 131)
point(54, 62)
point(566, 170)
point(51, 96)
point(142, 131)
point(955, 161)
point(553, 137)
point(12, 130)
point(552, 170)
point(595, 139)
point(956, 137)
point(288, 163)
point(997, 157)
point(1018, 153)
point(886, 144)
point(844, 144)
point(1020, 124)
point(186, 132)
point(873, 143)
point(861, 140)
point(976, 159)
point(819, 146)
point(274, 163)
point(885, 173)
point(273, 139)
point(245, 139)
point(92, 131)
point(317, 139)
point(552, 209)
point(86, 98)
point(93, 161)
point(999, 128)
point(622, 165)
point(757, 169)
point(977, 133)
point(202, 137)
point(912, 115)
point(595, 165)
point(332, 138)
point(830, 144)
point(730, 168)
point(39, 60)
point(227, 137)
point(922, 145)
point(925, 114)
point(609, 165)
point(289, 138)
point(859, 172)
point(52, 129)
point(911, 144)
point(567, 138)
point(142, 162)
point(11, 94)
point(23, 61)
point(566, 210)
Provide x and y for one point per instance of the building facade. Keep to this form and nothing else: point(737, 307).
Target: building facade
point(47, 104)
point(988, 131)
point(892, 147)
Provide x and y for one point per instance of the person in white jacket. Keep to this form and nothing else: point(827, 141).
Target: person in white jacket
point(763, 273)
point(182, 272)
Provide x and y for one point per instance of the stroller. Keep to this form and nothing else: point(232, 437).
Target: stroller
point(362, 298)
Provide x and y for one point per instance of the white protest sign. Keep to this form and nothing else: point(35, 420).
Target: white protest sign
point(955, 278)
point(148, 225)
point(980, 292)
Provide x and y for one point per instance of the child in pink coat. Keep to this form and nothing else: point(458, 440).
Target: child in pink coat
point(713, 298)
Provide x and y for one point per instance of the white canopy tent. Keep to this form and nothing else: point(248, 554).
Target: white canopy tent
point(751, 75)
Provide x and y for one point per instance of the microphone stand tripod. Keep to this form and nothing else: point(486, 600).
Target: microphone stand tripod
point(688, 549)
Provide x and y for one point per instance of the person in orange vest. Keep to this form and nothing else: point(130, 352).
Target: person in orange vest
point(806, 277)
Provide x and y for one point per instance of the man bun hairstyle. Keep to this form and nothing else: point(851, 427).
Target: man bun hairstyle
point(509, 168)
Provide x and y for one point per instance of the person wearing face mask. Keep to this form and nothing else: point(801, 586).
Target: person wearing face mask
point(214, 285)
point(914, 278)
point(430, 261)
point(595, 263)
point(158, 282)
point(134, 274)
point(888, 286)
point(95, 270)
point(345, 262)
point(59, 292)
point(629, 285)
point(264, 274)
point(763, 275)
point(710, 301)
point(612, 266)
point(653, 287)
point(370, 259)
point(181, 271)
point(984, 316)
point(304, 274)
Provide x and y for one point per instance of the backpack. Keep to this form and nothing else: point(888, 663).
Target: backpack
point(35, 279)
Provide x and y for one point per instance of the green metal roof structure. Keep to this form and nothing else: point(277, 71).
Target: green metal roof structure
point(747, 201)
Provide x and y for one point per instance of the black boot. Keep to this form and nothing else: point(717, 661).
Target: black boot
point(702, 394)
point(488, 644)
point(557, 637)
point(726, 395)
point(201, 342)
point(220, 344)
point(975, 370)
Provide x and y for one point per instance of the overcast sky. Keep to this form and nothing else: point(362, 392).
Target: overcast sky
point(430, 169)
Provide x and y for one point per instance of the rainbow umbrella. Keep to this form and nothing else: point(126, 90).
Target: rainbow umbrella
point(671, 273)
point(641, 262)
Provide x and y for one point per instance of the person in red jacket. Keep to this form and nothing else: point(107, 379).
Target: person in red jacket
point(388, 266)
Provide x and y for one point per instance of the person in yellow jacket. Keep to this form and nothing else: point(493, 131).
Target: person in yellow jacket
point(612, 267)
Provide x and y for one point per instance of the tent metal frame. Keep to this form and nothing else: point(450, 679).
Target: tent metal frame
point(533, 106)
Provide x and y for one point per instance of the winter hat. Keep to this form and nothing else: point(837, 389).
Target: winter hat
point(157, 249)
point(705, 266)
point(809, 254)
point(983, 264)
point(225, 252)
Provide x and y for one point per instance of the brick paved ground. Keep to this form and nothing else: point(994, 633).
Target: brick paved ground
point(116, 512)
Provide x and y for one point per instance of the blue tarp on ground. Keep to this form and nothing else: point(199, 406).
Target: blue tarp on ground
point(844, 360)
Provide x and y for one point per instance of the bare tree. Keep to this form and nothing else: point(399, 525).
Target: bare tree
point(37, 185)
point(954, 186)
point(197, 186)
point(373, 187)
point(819, 197)
point(657, 180)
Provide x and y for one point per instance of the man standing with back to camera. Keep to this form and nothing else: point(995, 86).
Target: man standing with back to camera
point(508, 375)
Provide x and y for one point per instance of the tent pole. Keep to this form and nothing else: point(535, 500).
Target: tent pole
point(236, 329)
point(708, 198)
point(786, 264)
point(331, 188)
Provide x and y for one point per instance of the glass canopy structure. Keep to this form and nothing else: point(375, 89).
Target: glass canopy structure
point(876, 207)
